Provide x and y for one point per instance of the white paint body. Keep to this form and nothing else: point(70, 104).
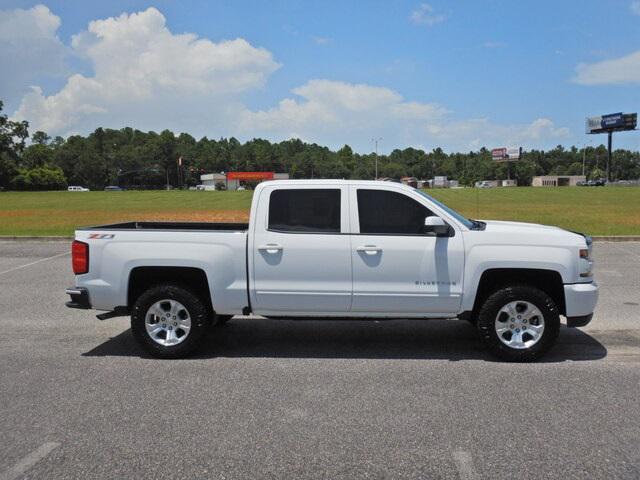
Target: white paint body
point(344, 274)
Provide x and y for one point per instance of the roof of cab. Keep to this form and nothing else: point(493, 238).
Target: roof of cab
point(329, 181)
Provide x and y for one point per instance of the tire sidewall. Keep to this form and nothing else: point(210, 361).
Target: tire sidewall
point(497, 300)
point(197, 312)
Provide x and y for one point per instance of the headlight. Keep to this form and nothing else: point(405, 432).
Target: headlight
point(585, 264)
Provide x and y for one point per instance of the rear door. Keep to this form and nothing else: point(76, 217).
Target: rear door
point(301, 250)
point(397, 268)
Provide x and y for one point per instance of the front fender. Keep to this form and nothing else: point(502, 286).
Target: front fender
point(488, 257)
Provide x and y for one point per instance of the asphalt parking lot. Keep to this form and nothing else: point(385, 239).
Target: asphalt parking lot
point(311, 399)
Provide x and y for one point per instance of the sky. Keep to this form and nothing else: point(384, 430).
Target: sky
point(452, 74)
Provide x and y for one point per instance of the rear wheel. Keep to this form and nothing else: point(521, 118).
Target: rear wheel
point(519, 323)
point(169, 321)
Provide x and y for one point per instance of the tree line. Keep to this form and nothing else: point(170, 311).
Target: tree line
point(131, 158)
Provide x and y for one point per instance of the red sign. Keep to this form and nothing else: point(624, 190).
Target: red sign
point(250, 176)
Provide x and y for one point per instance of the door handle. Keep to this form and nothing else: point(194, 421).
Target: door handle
point(369, 249)
point(271, 248)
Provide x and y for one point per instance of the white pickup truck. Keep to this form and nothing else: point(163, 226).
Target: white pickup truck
point(338, 248)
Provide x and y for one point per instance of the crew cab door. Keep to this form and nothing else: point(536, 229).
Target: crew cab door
point(397, 267)
point(301, 250)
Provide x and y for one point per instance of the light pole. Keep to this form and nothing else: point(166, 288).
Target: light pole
point(376, 140)
point(584, 154)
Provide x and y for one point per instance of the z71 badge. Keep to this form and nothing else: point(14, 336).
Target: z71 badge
point(101, 236)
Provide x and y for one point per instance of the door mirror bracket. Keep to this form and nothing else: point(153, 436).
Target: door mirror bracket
point(437, 226)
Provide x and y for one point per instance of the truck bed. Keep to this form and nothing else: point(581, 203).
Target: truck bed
point(172, 226)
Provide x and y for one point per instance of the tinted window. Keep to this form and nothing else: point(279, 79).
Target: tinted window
point(305, 210)
point(382, 212)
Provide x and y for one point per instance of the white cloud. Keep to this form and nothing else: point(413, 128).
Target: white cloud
point(475, 133)
point(29, 48)
point(617, 71)
point(425, 14)
point(635, 7)
point(334, 113)
point(147, 76)
point(322, 40)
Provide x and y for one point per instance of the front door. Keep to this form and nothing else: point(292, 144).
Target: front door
point(301, 252)
point(397, 268)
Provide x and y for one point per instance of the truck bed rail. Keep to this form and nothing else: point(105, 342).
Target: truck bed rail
point(171, 226)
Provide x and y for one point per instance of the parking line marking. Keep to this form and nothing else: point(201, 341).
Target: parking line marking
point(629, 252)
point(33, 263)
point(29, 461)
point(464, 462)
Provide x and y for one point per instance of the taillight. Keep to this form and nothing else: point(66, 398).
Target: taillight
point(79, 257)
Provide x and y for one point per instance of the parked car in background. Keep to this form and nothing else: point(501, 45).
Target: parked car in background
point(76, 188)
point(113, 188)
point(596, 183)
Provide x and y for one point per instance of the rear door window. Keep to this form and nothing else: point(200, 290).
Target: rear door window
point(305, 210)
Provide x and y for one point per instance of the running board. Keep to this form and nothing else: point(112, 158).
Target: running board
point(116, 312)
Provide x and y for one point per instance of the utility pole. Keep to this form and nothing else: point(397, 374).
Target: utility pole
point(609, 154)
point(376, 140)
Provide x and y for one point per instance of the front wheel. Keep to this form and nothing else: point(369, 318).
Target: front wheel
point(169, 321)
point(519, 323)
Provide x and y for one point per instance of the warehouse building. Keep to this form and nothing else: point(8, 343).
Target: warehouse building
point(557, 180)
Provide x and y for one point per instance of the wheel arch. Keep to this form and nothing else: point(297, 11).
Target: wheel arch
point(144, 277)
point(549, 281)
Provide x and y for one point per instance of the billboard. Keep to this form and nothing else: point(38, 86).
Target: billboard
point(506, 154)
point(612, 122)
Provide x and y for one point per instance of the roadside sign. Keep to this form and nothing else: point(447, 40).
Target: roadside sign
point(499, 154)
point(506, 154)
point(611, 122)
point(250, 175)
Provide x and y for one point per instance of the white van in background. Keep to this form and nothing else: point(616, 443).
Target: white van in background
point(77, 189)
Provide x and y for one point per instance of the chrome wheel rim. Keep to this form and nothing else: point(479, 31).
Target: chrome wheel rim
point(519, 324)
point(168, 322)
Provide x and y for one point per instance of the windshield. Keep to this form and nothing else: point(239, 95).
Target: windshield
point(465, 221)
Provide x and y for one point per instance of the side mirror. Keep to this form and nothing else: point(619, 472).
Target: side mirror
point(437, 226)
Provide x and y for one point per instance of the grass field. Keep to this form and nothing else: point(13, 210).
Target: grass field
point(597, 211)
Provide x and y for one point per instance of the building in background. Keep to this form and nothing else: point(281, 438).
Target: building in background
point(235, 180)
point(557, 180)
point(411, 181)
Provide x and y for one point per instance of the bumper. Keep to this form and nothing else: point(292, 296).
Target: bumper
point(579, 321)
point(580, 301)
point(79, 298)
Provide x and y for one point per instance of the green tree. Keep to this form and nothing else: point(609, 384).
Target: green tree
point(40, 178)
point(40, 138)
point(12, 140)
point(596, 174)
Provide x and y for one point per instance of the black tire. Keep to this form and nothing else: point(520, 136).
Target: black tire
point(197, 311)
point(497, 300)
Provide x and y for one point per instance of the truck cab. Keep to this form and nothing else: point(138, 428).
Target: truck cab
point(340, 248)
